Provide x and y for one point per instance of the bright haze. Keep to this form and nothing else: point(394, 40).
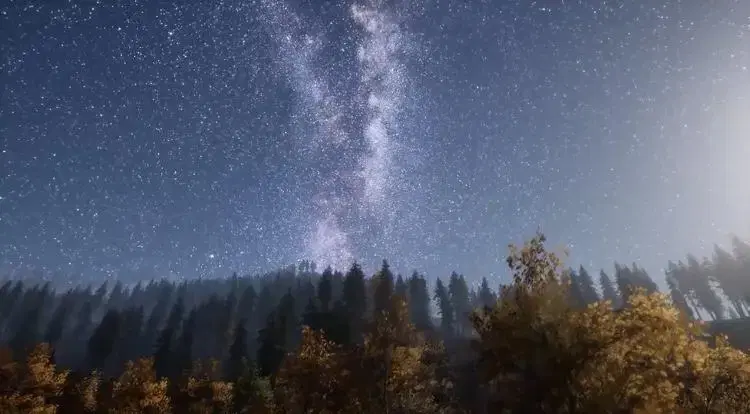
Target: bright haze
point(193, 139)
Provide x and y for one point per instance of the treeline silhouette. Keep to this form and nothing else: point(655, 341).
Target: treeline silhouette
point(302, 341)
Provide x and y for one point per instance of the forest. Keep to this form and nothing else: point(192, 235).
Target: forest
point(300, 340)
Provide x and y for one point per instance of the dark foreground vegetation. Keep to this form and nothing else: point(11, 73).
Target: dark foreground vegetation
point(298, 341)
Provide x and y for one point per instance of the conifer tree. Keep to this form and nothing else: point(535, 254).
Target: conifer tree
point(445, 307)
point(354, 300)
point(325, 289)
point(103, 339)
point(586, 286)
point(608, 289)
point(238, 352)
point(164, 356)
point(384, 286)
point(56, 325)
point(271, 345)
point(401, 289)
point(26, 335)
point(184, 353)
point(419, 302)
point(487, 297)
point(459, 296)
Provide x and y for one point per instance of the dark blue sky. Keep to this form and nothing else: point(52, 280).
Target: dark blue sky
point(149, 139)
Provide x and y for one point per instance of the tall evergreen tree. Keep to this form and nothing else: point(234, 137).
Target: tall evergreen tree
point(487, 297)
point(56, 325)
point(729, 275)
point(27, 332)
point(311, 315)
point(419, 302)
point(586, 286)
point(384, 286)
point(246, 305)
point(164, 357)
point(401, 289)
point(127, 345)
point(271, 345)
point(445, 307)
point(325, 289)
point(184, 353)
point(157, 315)
point(289, 320)
point(103, 339)
point(354, 300)
point(609, 292)
point(459, 294)
point(238, 352)
point(570, 278)
point(628, 280)
point(700, 282)
point(678, 298)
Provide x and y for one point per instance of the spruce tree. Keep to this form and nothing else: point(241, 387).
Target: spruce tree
point(445, 307)
point(354, 300)
point(384, 285)
point(419, 302)
point(102, 341)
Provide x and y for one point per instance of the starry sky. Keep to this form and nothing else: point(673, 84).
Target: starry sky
point(185, 139)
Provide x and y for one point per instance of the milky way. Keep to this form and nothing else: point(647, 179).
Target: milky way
point(152, 139)
point(366, 188)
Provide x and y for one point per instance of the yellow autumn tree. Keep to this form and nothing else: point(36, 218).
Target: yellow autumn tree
point(718, 381)
point(389, 373)
point(81, 393)
point(395, 355)
point(313, 379)
point(529, 355)
point(644, 351)
point(33, 387)
point(539, 354)
point(138, 390)
point(204, 392)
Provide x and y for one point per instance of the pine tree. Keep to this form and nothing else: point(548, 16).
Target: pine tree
point(271, 345)
point(238, 352)
point(631, 279)
point(354, 300)
point(700, 285)
point(608, 290)
point(325, 289)
point(401, 289)
point(246, 305)
point(419, 302)
point(586, 286)
point(184, 353)
point(26, 334)
point(311, 315)
point(128, 340)
point(678, 298)
point(288, 318)
point(575, 295)
point(459, 294)
point(56, 325)
point(383, 289)
point(103, 339)
point(157, 316)
point(487, 297)
point(445, 307)
point(164, 361)
point(729, 275)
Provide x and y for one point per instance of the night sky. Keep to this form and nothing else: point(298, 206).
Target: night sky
point(143, 139)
